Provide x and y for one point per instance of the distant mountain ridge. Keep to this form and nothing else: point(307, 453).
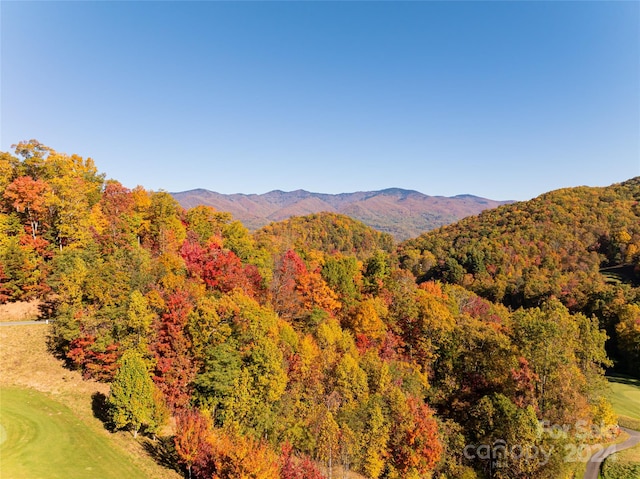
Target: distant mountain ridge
point(402, 213)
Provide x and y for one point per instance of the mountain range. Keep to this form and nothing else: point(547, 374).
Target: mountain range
point(402, 213)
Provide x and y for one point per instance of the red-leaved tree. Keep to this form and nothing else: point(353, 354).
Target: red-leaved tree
point(96, 363)
point(220, 269)
point(294, 467)
point(175, 366)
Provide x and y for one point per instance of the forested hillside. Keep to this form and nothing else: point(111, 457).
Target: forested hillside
point(310, 345)
point(579, 246)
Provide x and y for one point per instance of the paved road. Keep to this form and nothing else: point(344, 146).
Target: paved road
point(21, 323)
point(593, 466)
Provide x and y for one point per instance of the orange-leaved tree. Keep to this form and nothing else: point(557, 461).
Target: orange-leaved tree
point(192, 431)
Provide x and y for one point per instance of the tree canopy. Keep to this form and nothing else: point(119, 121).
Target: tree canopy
point(318, 341)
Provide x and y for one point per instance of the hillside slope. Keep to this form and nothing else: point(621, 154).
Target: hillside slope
point(402, 213)
point(330, 233)
point(29, 368)
point(527, 251)
point(579, 245)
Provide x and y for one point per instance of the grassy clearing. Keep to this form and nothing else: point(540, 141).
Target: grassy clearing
point(45, 439)
point(20, 311)
point(27, 366)
point(625, 398)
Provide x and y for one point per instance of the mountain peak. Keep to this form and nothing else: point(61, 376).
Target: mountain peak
point(400, 192)
point(403, 213)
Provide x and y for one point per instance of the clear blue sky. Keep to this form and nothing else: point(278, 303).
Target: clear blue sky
point(505, 100)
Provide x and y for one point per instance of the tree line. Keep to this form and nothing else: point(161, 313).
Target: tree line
point(315, 341)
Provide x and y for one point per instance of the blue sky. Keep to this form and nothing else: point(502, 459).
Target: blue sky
point(505, 100)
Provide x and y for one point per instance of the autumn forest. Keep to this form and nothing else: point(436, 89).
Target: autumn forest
point(319, 344)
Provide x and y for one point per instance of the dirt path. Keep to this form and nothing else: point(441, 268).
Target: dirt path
point(593, 466)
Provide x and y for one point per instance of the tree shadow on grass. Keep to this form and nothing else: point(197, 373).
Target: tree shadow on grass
point(622, 379)
point(163, 451)
point(100, 408)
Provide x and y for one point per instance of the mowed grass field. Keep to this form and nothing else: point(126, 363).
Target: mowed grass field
point(44, 439)
point(625, 398)
point(49, 427)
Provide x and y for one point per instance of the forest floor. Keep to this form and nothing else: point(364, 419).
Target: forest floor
point(32, 379)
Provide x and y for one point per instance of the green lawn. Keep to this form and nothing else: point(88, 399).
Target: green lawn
point(625, 399)
point(43, 439)
point(625, 396)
